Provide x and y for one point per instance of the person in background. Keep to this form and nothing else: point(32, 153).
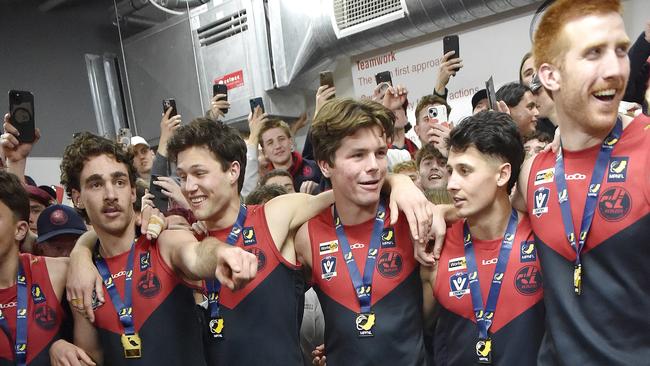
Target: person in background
point(407, 168)
point(59, 227)
point(535, 143)
point(143, 157)
point(521, 102)
point(432, 168)
point(279, 177)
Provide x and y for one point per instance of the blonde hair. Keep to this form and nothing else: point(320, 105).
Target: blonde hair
point(271, 124)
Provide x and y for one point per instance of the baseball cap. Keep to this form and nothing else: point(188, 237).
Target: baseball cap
point(137, 140)
point(478, 96)
point(38, 194)
point(57, 220)
point(49, 190)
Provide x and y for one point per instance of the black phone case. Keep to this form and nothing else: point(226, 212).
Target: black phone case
point(160, 200)
point(220, 89)
point(383, 77)
point(21, 107)
point(450, 43)
point(257, 102)
point(492, 98)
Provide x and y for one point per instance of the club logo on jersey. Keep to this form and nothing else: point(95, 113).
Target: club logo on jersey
point(544, 176)
point(528, 280)
point(527, 252)
point(389, 264)
point(145, 261)
point(458, 285)
point(249, 236)
point(614, 204)
point(328, 247)
point(45, 317)
point(617, 169)
point(328, 267)
point(37, 294)
point(540, 206)
point(456, 264)
point(388, 238)
point(149, 285)
point(261, 257)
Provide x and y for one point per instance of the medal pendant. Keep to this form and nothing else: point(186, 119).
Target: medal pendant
point(484, 351)
point(365, 323)
point(577, 279)
point(216, 327)
point(132, 345)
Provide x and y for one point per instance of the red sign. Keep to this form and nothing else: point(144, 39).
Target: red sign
point(232, 80)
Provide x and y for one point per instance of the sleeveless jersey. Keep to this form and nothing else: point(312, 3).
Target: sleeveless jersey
point(608, 324)
point(396, 294)
point(163, 312)
point(518, 323)
point(262, 320)
point(44, 314)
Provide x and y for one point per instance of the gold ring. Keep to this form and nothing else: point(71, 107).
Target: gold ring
point(77, 302)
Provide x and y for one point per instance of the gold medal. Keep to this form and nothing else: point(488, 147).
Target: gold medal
point(577, 279)
point(132, 345)
point(365, 322)
point(484, 351)
point(216, 327)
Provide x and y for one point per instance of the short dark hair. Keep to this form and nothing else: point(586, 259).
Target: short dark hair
point(275, 173)
point(494, 134)
point(222, 140)
point(429, 150)
point(265, 193)
point(14, 196)
point(512, 93)
point(86, 146)
point(541, 136)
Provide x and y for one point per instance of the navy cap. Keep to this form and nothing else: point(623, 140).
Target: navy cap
point(57, 220)
point(478, 96)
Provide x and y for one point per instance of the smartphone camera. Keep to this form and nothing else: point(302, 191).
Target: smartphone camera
point(433, 112)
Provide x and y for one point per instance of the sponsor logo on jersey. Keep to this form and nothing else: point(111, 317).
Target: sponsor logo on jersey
point(528, 280)
point(458, 285)
point(357, 246)
point(617, 169)
point(328, 267)
point(540, 204)
point(149, 285)
point(248, 235)
point(614, 204)
point(487, 262)
point(261, 257)
point(45, 317)
point(544, 176)
point(389, 264)
point(145, 261)
point(527, 252)
point(12, 304)
point(456, 264)
point(575, 176)
point(388, 238)
point(328, 247)
point(37, 294)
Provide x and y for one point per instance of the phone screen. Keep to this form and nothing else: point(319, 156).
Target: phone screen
point(255, 102)
point(21, 107)
point(170, 103)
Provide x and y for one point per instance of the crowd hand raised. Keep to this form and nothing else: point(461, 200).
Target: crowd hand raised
point(12, 149)
point(256, 120)
point(63, 353)
point(448, 68)
point(309, 187)
point(318, 354)
point(408, 198)
point(218, 103)
point(147, 199)
point(502, 107)
point(554, 146)
point(379, 92)
point(438, 135)
point(323, 93)
point(168, 125)
point(428, 251)
point(172, 189)
point(395, 97)
point(235, 266)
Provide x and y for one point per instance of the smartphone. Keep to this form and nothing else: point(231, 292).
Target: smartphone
point(21, 107)
point(220, 89)
point(255, 102)
point(383, 77)
point(159, 200)
point(438, 114)
point(492, 96)
point(167, 103)
point(124, 137)
point(450, 43)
